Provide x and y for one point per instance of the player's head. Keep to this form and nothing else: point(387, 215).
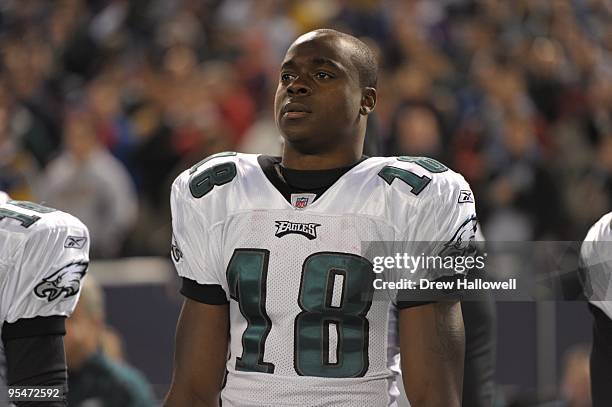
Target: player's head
point(326, 89)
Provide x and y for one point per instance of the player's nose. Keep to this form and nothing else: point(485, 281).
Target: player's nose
point(298, 88)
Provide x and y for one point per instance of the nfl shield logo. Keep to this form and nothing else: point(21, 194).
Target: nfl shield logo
point(301, 203)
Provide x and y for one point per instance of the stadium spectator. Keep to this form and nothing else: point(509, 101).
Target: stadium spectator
point(88, 181)
point(199, 73)
point(575, 382)
point(95, 378)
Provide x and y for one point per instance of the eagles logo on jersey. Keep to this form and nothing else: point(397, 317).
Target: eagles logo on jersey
point(302, 311)
point(463, 241)
point(66, 280)
point(309, 230)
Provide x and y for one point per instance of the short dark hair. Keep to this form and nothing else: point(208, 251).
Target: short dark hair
point(363, 58)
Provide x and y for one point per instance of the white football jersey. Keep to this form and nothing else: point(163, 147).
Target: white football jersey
point(43, 257)
point(596, 258)
point(306, 328)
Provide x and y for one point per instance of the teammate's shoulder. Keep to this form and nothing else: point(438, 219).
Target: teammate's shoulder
point(417, 174)
point(31, 218)
point(26, 223)
point(601, 230)
point(215, 170)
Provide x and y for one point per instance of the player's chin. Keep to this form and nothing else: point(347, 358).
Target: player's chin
point(306, 142)
point(295, 130)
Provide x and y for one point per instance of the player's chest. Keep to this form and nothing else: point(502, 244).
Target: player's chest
point(291, 261)
point(300, 233)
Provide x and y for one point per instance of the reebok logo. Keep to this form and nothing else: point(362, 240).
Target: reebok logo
point(75, 242)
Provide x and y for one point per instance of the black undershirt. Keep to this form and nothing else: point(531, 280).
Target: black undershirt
point(289, 181)
point(34, 350)
point(601, 358)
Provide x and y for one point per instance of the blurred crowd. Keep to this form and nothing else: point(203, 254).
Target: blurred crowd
point(104, 102)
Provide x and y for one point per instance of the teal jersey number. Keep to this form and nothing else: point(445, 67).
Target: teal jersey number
point(346, 316)
point(417, 183)
point(25, 219)
point(431, 165)
point(246, 277)
point(207, 159)
point(204, 182)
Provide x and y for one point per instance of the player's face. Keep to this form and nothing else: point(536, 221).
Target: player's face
point(318, 96)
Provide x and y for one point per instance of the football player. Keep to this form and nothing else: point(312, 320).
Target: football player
point(279, 291)
point(596, 259)
point(44, 254)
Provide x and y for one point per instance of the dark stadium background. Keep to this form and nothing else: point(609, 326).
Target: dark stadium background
point(103, 103)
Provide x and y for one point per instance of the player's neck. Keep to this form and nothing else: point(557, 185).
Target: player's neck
point(322, 161)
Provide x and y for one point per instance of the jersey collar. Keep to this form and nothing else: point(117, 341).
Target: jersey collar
point(290, 181)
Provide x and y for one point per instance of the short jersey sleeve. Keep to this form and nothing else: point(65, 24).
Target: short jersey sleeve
point(47, 269)
point(195, 245)
point(596, 261)
point(443, 230)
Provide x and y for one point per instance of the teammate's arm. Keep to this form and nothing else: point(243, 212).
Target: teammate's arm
point(200, 355)
point(432, 347)
point(34, 350)
point(601, 358)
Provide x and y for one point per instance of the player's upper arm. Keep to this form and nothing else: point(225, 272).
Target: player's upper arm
point(200, 355)
point(447, 214)
point(432, 346)
point(438, 222)
point(47, 260)
point(439, 204)
point(195, 244)
point(48, 269)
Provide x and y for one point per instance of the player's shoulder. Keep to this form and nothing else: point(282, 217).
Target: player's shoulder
point(31, 219)
point(597, 244)
point(418, 176)
point(214, 171)
point(32, 232)
point(601, 230)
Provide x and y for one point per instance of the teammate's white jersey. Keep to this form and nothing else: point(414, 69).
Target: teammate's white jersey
point(596, 258)
point(306, 327)
point(43, 257)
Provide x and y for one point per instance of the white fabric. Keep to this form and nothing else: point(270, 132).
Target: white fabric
point(29, 255)
point(360, 207)
point(596, 258)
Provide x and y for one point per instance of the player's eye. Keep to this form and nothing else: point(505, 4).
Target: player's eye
point(287, 77)
point(323, 75)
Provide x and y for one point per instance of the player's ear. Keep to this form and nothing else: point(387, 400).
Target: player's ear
point(368, 101)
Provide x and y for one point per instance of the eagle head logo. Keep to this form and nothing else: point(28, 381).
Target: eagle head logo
point(66, 280)
point(463, 241)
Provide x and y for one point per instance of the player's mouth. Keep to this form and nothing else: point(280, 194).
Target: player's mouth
point(294, 110)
